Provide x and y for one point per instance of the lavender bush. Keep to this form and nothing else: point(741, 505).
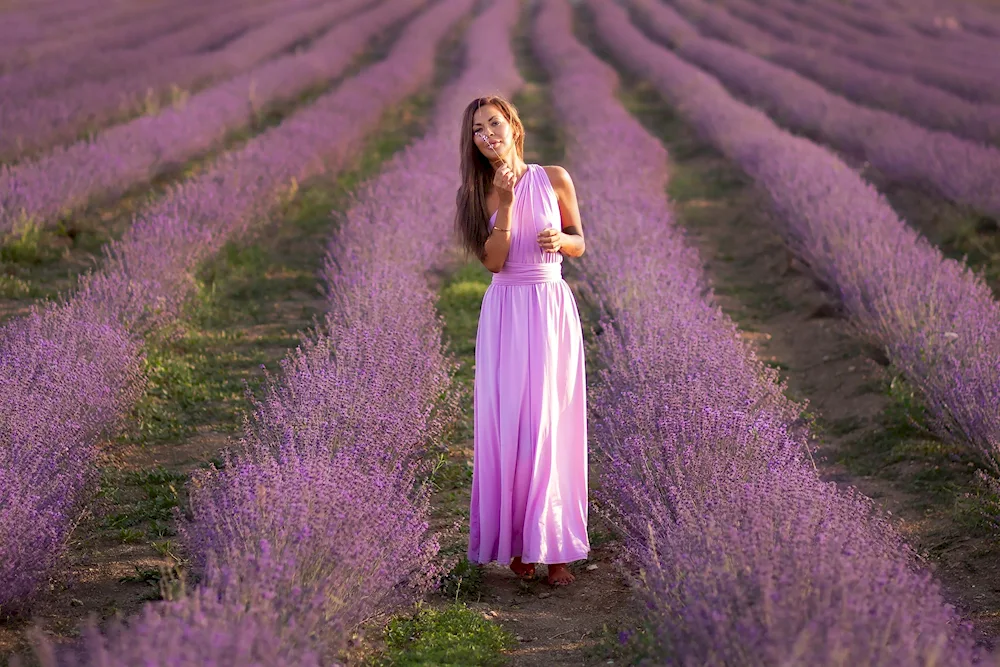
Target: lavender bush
point(40, 122)
point(944, 27)
point(930, 16)
point(975, 83)
point(777, 24)
point(929, 106)
point(746, 557)
point(207, 35)
point(64, 384)
point(95, 30)
point(350, 532)
point(147, 274)
point(959, 170)
point(880, 25)
point(127, 155)
point(216, 625)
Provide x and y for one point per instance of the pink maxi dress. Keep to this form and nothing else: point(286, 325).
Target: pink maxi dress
point(529, 484)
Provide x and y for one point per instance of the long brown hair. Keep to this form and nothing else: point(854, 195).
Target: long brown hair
point(471, 219)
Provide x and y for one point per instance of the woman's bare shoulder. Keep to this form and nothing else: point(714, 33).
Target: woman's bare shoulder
point(559, 177)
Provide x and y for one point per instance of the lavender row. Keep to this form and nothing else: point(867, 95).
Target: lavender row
point(936, 320)
point(883, 26)
point(976, 83)
point(44, 21)
point(929, 106)
point(31, 125)
point(951, 17)
point(960, 55)
point(716, 20)
point(305, 545)
point(124, 156)
point(368, 384)
point(205, 35)
point(755, 30)
point(815, 18)
point(746, 556)
point(961, 171)
point(37, 21)
point(121, 29)
point(358, 399)
point(805, 26)
point(892, 28)
point(148, 275)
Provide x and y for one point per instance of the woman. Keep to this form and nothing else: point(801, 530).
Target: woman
point(529, 485)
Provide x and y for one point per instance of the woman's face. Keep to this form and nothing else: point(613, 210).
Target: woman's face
point(493, 135)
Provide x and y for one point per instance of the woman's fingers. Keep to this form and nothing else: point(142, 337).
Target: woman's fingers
point(504, 179)
point(549, 240)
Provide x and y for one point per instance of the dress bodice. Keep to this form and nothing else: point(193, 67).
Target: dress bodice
point(536, 207)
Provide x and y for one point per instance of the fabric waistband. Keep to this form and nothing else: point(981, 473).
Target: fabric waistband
point(528, 273)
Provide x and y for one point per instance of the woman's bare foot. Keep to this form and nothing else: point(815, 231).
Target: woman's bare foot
point(522, 570)
point(559, 575)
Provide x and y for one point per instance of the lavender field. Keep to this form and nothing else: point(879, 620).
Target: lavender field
point(237, 333)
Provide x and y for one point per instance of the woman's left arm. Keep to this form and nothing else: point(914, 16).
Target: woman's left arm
point(569, 241)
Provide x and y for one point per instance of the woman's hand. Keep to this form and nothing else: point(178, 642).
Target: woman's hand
point(503, 181)
point(550, 240)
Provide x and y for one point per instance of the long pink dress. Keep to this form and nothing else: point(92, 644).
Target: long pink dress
point(529, 484)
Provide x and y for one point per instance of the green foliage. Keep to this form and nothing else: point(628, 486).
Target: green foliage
point(455, 636)
point(451, 473)
point(624, 646)
point(24, 245)
point(130, 535)
point(143, 497)
point(459, 301)
point(464, 581)
point(902, 448)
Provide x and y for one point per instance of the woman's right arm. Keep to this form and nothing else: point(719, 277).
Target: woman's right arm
point(498, 244)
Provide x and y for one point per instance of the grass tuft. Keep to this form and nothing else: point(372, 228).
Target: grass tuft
point(463, 582)
point(624, 646)
point(459, 301)
point(23, 246)
point(455, 636)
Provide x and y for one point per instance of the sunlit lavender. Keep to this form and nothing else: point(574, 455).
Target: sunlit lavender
point(314, 524)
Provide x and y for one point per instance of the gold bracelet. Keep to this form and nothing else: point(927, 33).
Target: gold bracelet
point(498, 229)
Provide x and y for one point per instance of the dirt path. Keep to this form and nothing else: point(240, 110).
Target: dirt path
point(867, 422)
point(572, 626)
